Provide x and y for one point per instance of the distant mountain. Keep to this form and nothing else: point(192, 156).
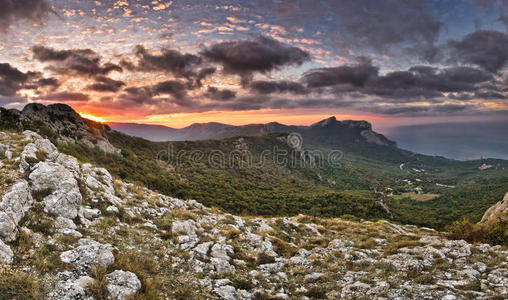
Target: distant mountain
point(325, 131)
point(461, 141)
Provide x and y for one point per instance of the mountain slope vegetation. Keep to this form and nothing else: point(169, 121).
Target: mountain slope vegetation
point(372, 179)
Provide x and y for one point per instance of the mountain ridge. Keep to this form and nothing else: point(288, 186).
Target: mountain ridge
point(215, 130)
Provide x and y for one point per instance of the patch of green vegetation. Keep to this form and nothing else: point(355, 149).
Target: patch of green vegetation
point(270, 189)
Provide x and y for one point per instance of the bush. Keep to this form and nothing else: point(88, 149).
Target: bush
point(495, 233)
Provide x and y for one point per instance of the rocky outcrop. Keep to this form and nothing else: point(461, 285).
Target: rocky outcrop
point(69, 125)
point(63, 195)
point(497, 212)
point(13, 206)
point(88, 254)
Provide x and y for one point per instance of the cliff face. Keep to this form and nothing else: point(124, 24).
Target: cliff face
point(71, 231)
point(69, 125)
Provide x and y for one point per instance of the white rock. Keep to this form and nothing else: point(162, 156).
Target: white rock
point(91, 213)
point(202, 249)
point(122, 284)
point(62, 223)
point(112, 210)
point(89, 253)
point(31, 136)
point(65, 198)
point(71, 232)
point(226, 292)
point(6, 255)
point(222, 266)
point(222, 251)
point(184, 227)
point(8, 154)
point(13, 207)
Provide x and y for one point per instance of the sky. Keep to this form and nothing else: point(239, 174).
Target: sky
point(393, 62)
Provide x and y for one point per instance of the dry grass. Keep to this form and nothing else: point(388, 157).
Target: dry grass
point(19, 285)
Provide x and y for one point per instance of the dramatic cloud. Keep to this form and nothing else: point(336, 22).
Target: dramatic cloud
point(172, 61)
point(105, 84)
point(84, 62)
point(356, 75)
point(53, 82)
point(12, 11)
point(12, 80)
point(484, 48)
point(221, 95)
point(415, 83)
point(171, 87)
point(269, 87)
point(65, 96)
point(259, 55)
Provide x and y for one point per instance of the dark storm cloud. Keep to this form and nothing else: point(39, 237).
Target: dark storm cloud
point(65, 96)
point(12, 11)
point(269, 87)
point(261, 55)
point(427, 82)
point(484, 48)
point(221, 95)
point(172, 61)
point(170, 87)
point(105, 84)
point(356, 75)
point(12, 80)
point(490, 95)
point(415, 83)
point(53, 82)
point(84, 62)
point(147, 94)
point(203, 73)
point(137, 95)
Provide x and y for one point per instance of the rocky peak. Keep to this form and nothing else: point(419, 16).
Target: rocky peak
point(326, 122)
point(69, 125)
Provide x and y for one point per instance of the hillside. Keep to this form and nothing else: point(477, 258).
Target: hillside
point(368, 180)
point(71, 230)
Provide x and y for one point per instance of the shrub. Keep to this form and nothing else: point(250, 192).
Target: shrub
point(264, 258)
point(283, 248)
point(493, 233)
point(98, 288)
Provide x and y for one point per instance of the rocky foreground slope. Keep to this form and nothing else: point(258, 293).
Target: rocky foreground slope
point(70, 231)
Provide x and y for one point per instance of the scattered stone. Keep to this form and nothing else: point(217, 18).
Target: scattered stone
point(89, 253)
point(122, 284)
